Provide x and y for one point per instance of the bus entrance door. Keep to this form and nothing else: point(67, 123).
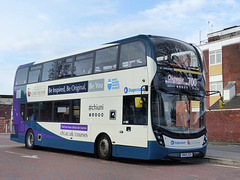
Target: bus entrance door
point(133, 133)
point(133, 141)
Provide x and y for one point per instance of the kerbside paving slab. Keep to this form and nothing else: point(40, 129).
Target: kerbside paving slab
point(223, 153)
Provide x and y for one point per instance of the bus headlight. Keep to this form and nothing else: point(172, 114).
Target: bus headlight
point(159, 137)
point(205, 140)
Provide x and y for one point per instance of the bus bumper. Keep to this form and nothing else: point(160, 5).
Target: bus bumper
point(157, 151)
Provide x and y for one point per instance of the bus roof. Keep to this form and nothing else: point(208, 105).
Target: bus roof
point(77, 52)
point(143, 37)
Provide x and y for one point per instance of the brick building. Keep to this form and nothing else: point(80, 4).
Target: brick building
point(5, 113)
point(222, 55)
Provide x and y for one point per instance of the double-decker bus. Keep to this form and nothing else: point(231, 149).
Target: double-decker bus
point(142, 97)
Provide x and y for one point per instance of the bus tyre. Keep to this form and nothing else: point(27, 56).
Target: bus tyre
point(29, 142)
point(104, 147)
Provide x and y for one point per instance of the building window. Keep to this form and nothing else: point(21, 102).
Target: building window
point(215, 57)
point(216, 86)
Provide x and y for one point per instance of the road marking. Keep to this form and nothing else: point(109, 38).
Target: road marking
point(220, 165)
point(23, 155)
point(106, 162)
point(11, 145)
point(79, 157)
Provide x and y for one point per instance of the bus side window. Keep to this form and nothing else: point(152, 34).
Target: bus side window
point(23, 111)
point(34, 74)
point(46, 111)
point(48, 71)
point(132, 55)
point(33, 112)
point(21, 76)
point(132, 114)
point(64, 68)
point(76, 111)
point(83, 65)
point(67, 111)
point(61, 111)
point(106, 59)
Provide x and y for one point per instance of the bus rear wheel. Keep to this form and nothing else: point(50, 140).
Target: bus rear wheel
point(30, 140)
point(104, 147)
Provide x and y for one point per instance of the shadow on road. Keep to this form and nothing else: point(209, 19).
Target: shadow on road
point(189, 161)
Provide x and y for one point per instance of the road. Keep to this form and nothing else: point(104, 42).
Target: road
point(17, 162)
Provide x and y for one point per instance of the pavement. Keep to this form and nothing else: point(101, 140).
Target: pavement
point(223, 153)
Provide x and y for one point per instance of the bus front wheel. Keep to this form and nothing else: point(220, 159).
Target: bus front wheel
point(29, 142)
point(104, 147)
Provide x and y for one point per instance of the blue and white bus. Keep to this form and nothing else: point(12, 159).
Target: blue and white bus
point(142, 97)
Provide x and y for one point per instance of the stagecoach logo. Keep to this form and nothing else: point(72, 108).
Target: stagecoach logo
point(131, 90)
point(125, 90)
point(177, 142)
point(113, 84)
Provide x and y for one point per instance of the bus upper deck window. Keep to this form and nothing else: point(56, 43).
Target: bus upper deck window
point(34, 74)
point(83, 64)
point(64, 68)
point(21, 77)
point(133, 55)
point(48, 71)
point(106, 59)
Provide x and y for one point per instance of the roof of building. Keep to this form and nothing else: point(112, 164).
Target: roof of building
point(234, 103)
point(6, 96)
point(224, 31)
point(230, 85)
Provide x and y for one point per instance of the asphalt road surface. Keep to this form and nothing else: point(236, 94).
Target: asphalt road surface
point(17, 162)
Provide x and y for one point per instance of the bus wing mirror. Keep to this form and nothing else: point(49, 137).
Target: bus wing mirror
point(138, 102)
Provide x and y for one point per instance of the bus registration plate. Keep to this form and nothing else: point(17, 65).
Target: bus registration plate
point(183, 155)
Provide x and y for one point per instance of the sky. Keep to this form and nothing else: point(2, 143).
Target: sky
point(34, 30)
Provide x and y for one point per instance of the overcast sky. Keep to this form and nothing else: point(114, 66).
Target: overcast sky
point(34, 30)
